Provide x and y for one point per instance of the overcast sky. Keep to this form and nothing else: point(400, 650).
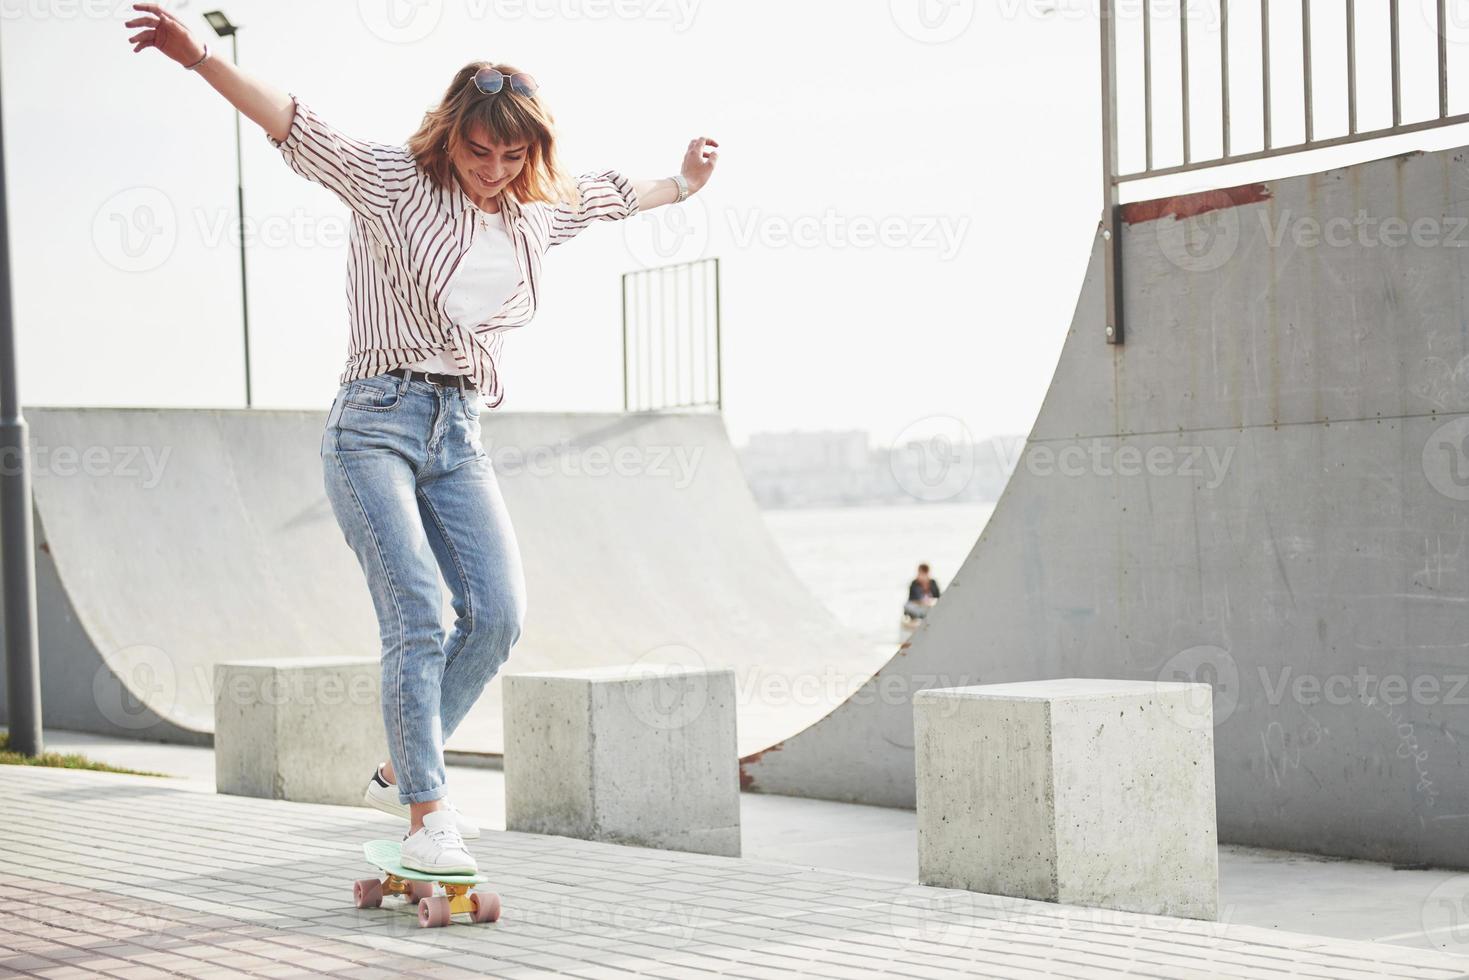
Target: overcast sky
point(966, 133)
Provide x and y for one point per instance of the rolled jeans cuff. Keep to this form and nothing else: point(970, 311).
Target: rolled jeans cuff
point(423, 796)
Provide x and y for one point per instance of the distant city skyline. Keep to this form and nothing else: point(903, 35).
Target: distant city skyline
point(846, 468)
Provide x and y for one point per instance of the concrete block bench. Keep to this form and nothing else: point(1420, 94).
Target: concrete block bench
point(302, 729)
point(1078, 791)
point(634, 755)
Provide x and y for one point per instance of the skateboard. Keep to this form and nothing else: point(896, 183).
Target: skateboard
point(418, 887)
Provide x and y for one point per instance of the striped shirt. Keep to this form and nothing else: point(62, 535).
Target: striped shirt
point(408, 236)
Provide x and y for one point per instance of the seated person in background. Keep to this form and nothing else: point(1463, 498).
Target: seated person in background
point(922, 593)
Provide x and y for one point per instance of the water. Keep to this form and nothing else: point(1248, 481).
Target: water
point(859, 560)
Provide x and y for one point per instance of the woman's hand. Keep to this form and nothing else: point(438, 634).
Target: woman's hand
point(697, 168)
point(164, 31)
point(698, 162)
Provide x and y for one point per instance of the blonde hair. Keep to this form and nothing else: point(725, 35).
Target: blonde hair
point(510, 118)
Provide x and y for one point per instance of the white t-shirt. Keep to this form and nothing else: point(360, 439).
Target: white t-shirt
point(485, 279)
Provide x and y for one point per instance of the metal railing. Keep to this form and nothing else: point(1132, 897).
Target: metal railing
point(1113, 178)
point(671, 346)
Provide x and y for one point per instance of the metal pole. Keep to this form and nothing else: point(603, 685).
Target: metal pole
point(1148, 85)
point(17, 538)
point(645, 342)
point(1306, 71)
point(1395, 32)
point(692, 334)
point(624, 342)
point(663, 319)
point(678, 332)
point(1352, 66)
point(240, 201)
point(1443, 60)
point(718, 345)
point(706, 339)
point(1224, 72)
point(1265, 68)
point(1183, 75)
point(1112, 240)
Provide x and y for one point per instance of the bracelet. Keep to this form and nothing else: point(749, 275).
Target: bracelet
point(683, 188)
point(202, 59)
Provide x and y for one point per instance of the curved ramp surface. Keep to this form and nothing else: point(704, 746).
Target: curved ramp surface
point(171, 540)
point(1265, 487)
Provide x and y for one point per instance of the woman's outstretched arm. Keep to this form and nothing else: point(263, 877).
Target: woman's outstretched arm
point(271, 108)
point(368, 177)
point(611, 196)
point(697, 168)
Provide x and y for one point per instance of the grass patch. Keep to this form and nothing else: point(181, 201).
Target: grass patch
point(58, 760)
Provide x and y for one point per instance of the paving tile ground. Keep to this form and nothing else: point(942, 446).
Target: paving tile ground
point(105, 874)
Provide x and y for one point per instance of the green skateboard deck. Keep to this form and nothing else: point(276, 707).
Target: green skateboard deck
point(418, 888)
point(388, 856)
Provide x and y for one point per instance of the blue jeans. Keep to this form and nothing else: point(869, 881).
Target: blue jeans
point(416, 498)
point(916, 610)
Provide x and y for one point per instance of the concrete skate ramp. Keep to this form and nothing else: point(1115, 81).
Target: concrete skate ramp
point(171, 540)
point(1326, 538)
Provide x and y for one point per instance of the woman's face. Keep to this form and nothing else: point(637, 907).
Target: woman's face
point(484, 167)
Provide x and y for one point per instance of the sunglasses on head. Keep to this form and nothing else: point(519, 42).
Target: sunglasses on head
point(489, 81)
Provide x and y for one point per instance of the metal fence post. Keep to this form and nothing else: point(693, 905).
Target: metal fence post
point(624, 343)
point(718, 343)
point(1110, 229)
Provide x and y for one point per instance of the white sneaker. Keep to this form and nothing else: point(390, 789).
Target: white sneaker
point(437, 848)
point(383, 796)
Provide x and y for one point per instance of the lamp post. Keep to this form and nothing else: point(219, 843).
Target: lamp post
point(17, 543)
point(224, 28)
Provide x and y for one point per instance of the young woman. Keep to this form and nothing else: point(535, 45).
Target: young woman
point(447, 237)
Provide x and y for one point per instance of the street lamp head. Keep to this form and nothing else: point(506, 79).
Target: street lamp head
point(220, 23)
